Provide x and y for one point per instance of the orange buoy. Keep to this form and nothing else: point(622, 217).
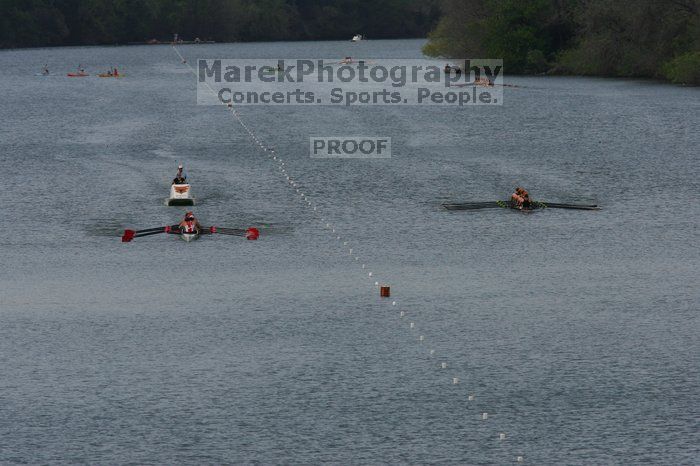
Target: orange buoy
point(384, 292)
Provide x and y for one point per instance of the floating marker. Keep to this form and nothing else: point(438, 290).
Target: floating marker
point(384, 291)
point(402, 314)
point(369, 274)
point(443, 365)
point(519, 459)
point(455, 380)
point(393, 303)
point(432, 351)
point(412, 325)
point(471, 398)
point(501, 436)
point(484, 416)
point(421, 338)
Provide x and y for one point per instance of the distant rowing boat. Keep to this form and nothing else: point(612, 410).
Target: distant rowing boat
point(534, 205)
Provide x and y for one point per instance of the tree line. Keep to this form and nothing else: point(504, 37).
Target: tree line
point(36, 23)
point(640, 38)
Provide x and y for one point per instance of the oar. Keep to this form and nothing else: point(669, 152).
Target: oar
point(508, 205)
point(249, 234)
point(131, 234)
point(554, 205)
point(474, 205)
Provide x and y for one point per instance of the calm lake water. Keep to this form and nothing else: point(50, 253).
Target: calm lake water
point(576, 331)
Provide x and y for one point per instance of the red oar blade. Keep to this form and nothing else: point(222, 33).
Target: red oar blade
point(252, 234)
point(128, 236)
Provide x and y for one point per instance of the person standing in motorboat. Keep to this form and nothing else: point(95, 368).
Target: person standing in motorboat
point(180, 178)
point(190, 224)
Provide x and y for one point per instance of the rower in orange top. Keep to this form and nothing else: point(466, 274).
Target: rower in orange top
point(521, 198)
point(526, 199)
point(190, 224)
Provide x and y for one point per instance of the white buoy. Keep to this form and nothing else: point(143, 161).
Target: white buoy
point(443, 365)
point(519, 459)
point(412, 325)
point(393, 303)
point(484, 416)
point(376, 283)
point(455, 380)
point(421, 338)
point(402, 314)
point(501, 436)
point(471, 397)
point(432, 351)
point(369, 274)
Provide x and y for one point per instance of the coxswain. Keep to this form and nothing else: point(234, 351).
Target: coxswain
point(190, 224)
point(180, 178)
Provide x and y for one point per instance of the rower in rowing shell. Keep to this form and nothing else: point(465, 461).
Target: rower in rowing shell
point(190, 224)
point(180, 178)
point(521, 198)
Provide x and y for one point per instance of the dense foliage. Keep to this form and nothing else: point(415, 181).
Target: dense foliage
point(641, 38)
point(647, 38)
point(28, 23)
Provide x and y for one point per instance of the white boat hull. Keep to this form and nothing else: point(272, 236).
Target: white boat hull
point(180, 194)
point(189, 237)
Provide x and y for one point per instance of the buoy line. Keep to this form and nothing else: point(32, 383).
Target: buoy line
point(343, 243)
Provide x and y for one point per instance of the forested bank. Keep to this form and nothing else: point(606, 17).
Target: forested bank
point(642, 38)
point(35, 23)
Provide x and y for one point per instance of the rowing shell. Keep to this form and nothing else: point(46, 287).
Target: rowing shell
point(511, 205)
point(189, 237)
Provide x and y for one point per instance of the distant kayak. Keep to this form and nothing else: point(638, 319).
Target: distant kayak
point(107, 75)
point(77, 75)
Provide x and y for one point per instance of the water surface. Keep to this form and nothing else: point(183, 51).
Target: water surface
point(576, 331)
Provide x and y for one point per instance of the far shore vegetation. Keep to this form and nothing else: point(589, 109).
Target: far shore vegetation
point(657, 39)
